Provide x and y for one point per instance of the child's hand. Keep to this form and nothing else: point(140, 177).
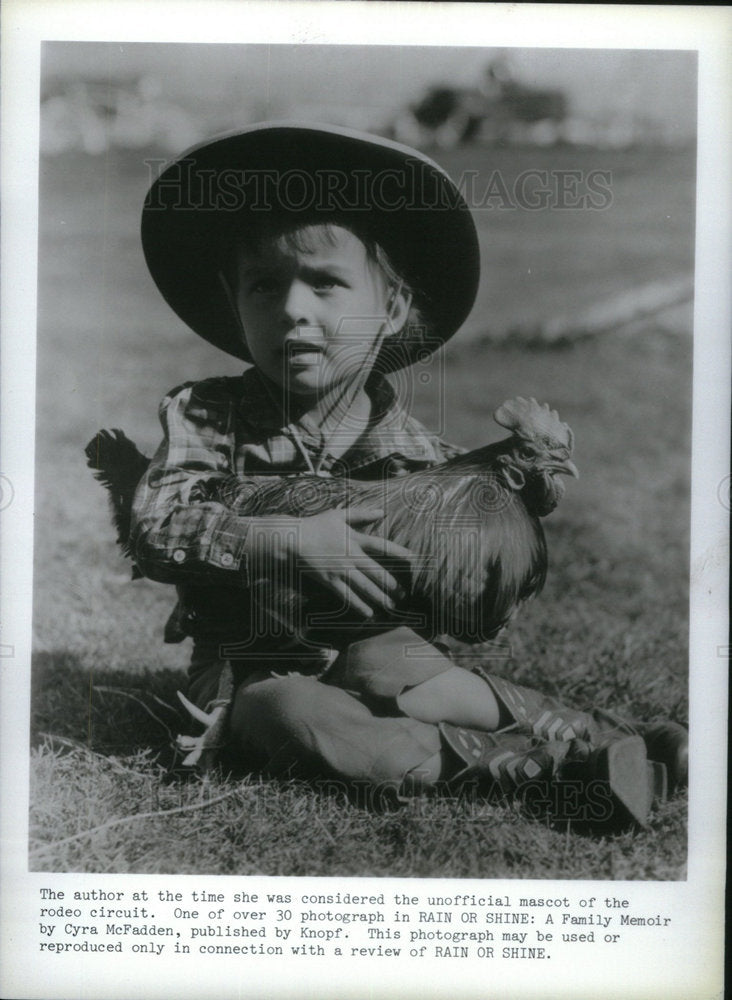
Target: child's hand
point(328, 549)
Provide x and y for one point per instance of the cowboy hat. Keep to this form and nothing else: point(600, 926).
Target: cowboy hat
point(304, 173)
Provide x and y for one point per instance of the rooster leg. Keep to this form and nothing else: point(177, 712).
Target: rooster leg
point(201, 751)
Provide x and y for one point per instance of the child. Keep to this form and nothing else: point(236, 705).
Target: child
point(326, 258)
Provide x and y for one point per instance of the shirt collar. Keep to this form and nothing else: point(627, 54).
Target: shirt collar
point(260, 404)
point(390, 431)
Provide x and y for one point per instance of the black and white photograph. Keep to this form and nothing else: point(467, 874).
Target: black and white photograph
point(363, 559)
point(362, 535)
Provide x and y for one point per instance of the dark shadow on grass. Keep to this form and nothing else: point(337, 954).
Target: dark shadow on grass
point(112, 712)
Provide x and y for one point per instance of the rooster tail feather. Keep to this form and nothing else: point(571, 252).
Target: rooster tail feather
point(116, 461)
point(118, 465)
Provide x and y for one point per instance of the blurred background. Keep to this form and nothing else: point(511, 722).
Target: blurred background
point(101, 95)
point(588, 308)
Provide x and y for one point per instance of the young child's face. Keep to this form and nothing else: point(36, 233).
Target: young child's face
point(310, 317)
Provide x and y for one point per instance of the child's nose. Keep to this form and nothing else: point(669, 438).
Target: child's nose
point(298, 303)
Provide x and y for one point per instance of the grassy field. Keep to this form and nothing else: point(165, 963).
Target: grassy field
point(610, 628)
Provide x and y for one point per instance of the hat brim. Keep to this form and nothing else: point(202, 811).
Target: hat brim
point(401, 198)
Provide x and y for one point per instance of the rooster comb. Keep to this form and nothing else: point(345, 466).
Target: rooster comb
point(528, 419)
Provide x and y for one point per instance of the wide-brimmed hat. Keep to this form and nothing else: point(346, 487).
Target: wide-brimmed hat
point(220, 189)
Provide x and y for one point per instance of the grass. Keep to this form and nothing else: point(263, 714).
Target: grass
point(610, 628)
point(253, 826)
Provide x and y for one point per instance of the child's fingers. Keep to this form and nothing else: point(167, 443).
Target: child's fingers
point(362, 514)
point(361, 584)
point(385, 548)
point(351, 599)
point(375, 572)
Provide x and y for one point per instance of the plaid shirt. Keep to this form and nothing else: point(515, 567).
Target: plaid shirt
point(216, 434)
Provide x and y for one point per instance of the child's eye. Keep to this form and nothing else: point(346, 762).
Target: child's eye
point(264, 286)
point(324, 284)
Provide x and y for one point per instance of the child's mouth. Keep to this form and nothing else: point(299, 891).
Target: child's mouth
point(302, 354)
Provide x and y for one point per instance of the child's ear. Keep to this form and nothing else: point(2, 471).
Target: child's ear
point(398, 305)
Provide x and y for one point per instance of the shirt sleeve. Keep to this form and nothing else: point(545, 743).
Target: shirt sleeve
point(179, 533)
point(433, 448)
point(418, 446)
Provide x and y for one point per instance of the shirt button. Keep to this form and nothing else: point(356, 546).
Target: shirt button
point(179, 556)
point(227, 559)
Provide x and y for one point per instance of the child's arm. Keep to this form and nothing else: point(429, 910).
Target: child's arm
point(180, 533)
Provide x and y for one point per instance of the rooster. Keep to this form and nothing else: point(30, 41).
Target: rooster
point(472, 523)
point(119, 466)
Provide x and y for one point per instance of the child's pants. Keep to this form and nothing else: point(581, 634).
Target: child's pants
point(346, 723)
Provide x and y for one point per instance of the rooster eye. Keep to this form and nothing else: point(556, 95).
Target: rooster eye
point(527, 451)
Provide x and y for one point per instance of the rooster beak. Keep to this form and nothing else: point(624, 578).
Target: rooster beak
point(567, 468)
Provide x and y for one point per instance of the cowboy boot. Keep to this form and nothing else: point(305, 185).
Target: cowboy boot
point(667, 743)
point(568, 779)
